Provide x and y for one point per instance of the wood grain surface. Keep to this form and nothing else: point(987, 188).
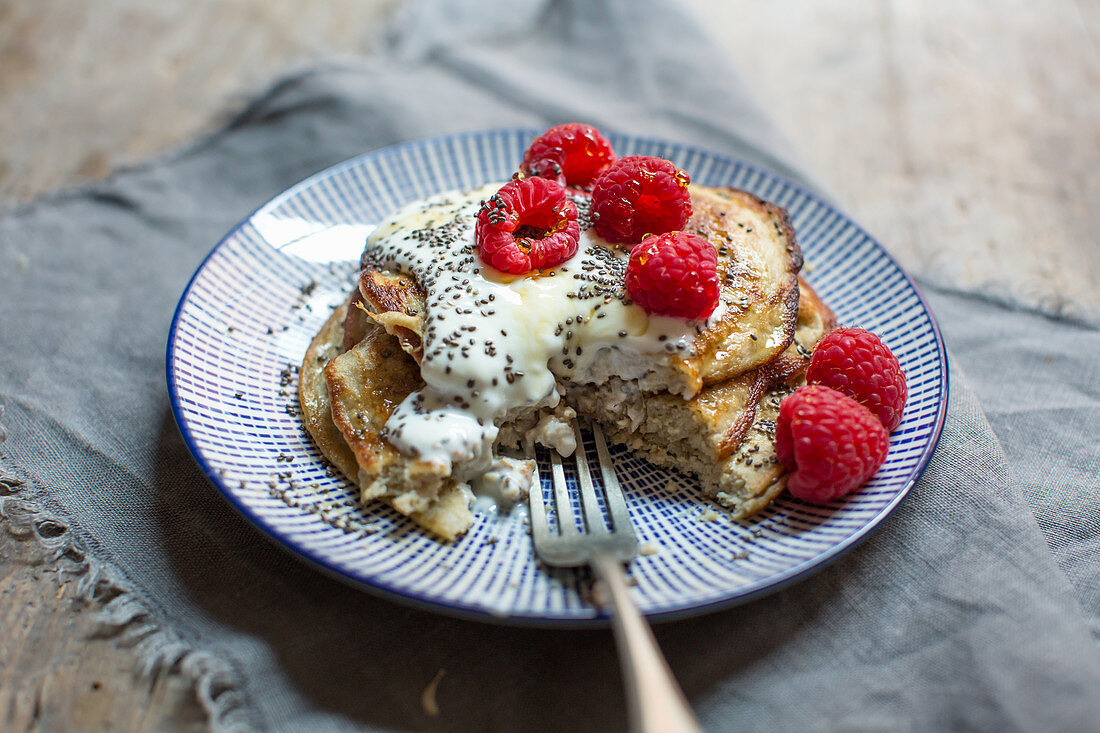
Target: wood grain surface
point(965, 135)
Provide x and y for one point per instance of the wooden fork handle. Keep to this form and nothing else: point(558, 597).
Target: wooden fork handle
point(656, 703)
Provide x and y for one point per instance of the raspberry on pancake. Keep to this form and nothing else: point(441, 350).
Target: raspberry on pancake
point(640, 195)
point(571, 154)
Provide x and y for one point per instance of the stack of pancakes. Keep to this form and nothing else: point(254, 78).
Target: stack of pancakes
point(709, 411)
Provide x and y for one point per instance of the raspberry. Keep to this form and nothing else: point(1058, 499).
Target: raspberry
point(674, 274)
point(830, 442)
point(571, 154)
point(639, 195)
point(854, 362)
point(528, 224)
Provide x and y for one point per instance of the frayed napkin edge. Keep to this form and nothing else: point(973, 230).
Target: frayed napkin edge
point(120, 612)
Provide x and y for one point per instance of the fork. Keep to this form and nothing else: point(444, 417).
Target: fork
point(655, 701)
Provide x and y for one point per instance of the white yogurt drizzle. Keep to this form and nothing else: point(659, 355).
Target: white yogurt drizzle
point(494, 344)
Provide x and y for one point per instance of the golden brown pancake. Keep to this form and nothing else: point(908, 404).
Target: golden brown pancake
point(758, 264)
point(725, 435)
point(346, 399)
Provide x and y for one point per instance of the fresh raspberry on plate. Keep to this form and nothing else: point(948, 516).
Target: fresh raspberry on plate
point(674, 274)
point(640, 195)
point(527, 225)
point(855, 362)
point(830, 442)
point(571, 154)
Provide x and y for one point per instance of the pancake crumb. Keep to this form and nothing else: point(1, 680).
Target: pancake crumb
point(427, 698)
point(648, 548)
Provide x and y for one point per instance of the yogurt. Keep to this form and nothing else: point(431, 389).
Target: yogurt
point(496, 345)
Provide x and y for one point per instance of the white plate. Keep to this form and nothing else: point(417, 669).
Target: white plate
point(251, 309)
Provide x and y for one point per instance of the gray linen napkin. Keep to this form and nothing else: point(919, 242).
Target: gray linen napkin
point(974, 606)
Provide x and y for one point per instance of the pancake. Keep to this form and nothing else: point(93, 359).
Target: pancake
point(313, 395)
point(725, 436)
point(395, 302)
point(346, 399)
point(758, 265)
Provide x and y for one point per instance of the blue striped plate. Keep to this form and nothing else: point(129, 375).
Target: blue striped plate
point(250, 311)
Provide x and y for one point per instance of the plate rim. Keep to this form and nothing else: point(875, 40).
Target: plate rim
point(602, 619)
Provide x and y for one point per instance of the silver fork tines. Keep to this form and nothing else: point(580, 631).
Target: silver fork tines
point(570, 547)
point(656, 703)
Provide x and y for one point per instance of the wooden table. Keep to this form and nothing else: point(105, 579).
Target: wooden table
point(964, 135)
